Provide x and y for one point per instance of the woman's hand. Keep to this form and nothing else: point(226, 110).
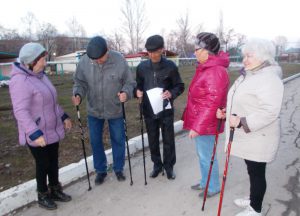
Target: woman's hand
point(67, 124)
point(139, 93)
point(234, 121)
point(193, 134)
point(40, 141)
point(221, 113)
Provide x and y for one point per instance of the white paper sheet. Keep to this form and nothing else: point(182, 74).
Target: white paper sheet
point(156, 99)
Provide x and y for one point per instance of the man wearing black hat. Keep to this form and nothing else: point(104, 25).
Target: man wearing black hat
point(103, 76)
point(162, 73)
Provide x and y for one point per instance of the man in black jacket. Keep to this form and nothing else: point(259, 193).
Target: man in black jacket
point(162, 73)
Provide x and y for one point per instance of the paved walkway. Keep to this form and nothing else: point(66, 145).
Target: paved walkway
point(162, 197)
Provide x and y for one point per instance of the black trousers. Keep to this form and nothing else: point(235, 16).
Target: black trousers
point(46, 164)
point(258, 184)
point(167, 129)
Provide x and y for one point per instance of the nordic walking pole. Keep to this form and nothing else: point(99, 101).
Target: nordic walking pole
point(212, 161)
point(128, 153)
point(83, 147)
point(142, 134)
point(226, 168)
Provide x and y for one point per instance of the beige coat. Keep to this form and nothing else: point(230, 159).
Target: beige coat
point(257, 97)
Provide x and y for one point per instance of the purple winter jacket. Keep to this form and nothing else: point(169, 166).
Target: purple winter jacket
point(35, 106)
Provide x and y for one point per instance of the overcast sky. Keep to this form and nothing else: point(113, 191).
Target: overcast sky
point(254, 18)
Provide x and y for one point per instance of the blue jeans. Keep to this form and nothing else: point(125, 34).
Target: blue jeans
point(205, 146)
point(117, 139)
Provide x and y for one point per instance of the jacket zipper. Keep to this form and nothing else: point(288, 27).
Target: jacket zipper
point(54, 106)
point(102, 93)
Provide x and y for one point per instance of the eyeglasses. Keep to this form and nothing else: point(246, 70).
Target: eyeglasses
point(196, 49)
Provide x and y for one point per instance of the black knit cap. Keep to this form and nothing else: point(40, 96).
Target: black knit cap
point(208, 41)
point(154, 43)
point(96, 48)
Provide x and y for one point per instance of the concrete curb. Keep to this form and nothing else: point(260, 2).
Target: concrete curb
point(23, 194)
point(291, 78)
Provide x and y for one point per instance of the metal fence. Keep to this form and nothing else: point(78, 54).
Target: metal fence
point(61, 67)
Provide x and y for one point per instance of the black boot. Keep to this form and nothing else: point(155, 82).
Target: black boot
point(57, 194)
point(45, 201)
point(170, 174)
point(155, 172)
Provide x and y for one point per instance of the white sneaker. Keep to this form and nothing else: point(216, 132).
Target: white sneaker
point(242, 202)
point(249, 211)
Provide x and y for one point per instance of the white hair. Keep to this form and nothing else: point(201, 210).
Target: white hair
point(262, 49)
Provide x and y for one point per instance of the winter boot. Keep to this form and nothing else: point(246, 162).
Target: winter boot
point(45, 201)
point(57, 194)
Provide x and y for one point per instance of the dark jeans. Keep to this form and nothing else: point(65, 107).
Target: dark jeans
point(46, 164)
point(167, 129)
point(258, 184)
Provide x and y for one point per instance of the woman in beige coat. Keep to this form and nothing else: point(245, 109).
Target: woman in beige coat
point(255, 98)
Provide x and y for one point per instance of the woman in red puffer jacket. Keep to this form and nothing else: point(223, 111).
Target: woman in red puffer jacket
point(207, 92)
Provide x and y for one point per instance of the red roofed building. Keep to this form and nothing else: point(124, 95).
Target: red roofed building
point(134, 59)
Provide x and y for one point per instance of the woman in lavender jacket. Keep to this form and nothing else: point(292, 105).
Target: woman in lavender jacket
point(40, 119)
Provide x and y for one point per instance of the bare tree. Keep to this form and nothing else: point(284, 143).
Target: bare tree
point(280, 43)
point(8, 34)
point(170, 41)
point(220, 29)
point(77, 31)
point(140, 23)
point(241, 38)
point(46, 35)
point(135, 22)
point(63, 44)
point(225, 36)
point(30, 22)
point(199, 28)
point(235, 47)
point(10, 40)
point(184, 35)
point(116, 42)
point(228, 37)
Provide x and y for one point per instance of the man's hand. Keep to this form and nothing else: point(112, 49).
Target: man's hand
point(122, 96)
point(166, 95)
point(139, 93)
point(193, 134)
point(76, 100)
point(40, 141)
point(67, 124)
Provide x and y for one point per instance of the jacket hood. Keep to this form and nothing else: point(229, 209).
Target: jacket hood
point(221, 59)
point(18, 68)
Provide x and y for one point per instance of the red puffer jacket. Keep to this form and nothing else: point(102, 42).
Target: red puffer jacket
point(207, 92)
